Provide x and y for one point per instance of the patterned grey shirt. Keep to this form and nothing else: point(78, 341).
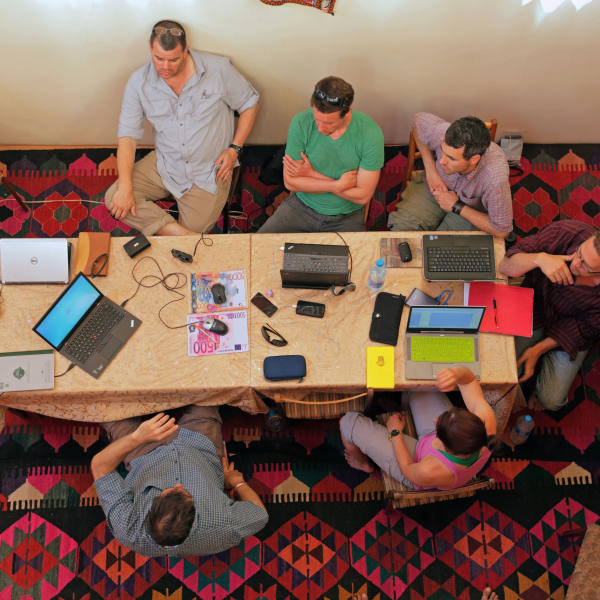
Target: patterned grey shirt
point(192, 129)
point(191, 460)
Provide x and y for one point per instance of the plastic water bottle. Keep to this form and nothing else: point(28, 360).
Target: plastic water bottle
point(274, 420)
point(523, 427)
point(377, 275)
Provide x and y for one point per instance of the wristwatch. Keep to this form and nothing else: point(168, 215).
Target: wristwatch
point(458, 206)
point(394, 433)
point(238, 149)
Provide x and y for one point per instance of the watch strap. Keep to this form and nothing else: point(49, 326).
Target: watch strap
point(238, 149)
point(458, 206)
point(394, 433)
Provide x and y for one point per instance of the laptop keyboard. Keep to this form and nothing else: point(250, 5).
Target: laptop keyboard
point(315, 264)
point(442, 349)
point(101, 322)
point(461, 260)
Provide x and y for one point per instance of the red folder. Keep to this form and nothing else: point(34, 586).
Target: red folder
point(514, 307)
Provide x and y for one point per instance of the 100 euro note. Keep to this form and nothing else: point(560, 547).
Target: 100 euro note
point(201, 296)
point(206, 343)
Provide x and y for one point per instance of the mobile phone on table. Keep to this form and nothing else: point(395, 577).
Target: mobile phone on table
point(310, 309)
point(264, 304)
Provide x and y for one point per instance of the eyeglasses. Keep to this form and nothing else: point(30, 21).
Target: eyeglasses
point(338, 291)
point(96, 270)
point(319, 95)
point(172, 31)
point(583, 263)
point(265, 333)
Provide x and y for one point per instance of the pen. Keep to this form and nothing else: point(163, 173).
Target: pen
point(495, 313)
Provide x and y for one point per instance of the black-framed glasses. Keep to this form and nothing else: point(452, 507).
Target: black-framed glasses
point(266, 329)
point(98, 266)
point(583, 263)
point(173, 31)
point(335, 101)
point(338, 291)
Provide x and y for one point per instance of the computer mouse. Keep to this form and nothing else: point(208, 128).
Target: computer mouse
point(215, 326)
point(218, 292)
point(404, 251)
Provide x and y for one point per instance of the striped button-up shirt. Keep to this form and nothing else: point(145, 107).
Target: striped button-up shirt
point(486, 188)
point(570, 313)
point(192, 129)
point(191, 460)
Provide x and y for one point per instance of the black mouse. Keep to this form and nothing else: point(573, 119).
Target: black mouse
point(404, 252)
point(215, 326)
point(218, 292)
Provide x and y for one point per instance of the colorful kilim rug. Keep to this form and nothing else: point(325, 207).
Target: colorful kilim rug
point(325, 5)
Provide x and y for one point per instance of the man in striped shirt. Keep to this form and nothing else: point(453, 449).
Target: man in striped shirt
point(465, 185)
point(562, 265)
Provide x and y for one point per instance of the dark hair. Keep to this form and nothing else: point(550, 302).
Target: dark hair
point(334, 87)
point(596, 242)
point(464, 433)
point(168, 41)
point(471, 133)
point(170, 518)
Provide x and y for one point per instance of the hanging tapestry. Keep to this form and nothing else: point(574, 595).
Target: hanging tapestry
point(325, 5)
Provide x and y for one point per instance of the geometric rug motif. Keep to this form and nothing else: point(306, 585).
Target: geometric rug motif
point(37, 560)
point(483, 545)
point(391, 551)
point(113, 570)
point(580, 200)
point(216, 576)
point(540, 589)
point(306, 556)
point(554, 552)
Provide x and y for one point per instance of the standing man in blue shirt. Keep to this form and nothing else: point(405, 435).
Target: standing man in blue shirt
point(172, 501)
point(189, 98)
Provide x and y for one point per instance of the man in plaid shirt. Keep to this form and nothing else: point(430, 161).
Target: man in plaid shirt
point(172, 501)
point(465, 186)
point(562, 265)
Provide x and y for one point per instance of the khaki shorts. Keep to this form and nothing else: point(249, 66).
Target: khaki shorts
point(199, 210)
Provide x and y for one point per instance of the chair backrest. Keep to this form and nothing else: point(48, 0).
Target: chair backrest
point(414, 154)
point(325, 405)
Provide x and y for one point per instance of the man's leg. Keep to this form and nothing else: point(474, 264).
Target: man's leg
point(205, 420)
point(417, 211)
point(354, 221)
point(454, 222)
point(147, 187)
point(199, 210)
point(425, 408)
point(557, 374)
point(293, 216)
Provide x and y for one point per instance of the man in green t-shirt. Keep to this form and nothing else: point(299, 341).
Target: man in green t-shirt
point(332, 162)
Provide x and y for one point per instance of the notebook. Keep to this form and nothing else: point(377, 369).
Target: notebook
point(380, 367)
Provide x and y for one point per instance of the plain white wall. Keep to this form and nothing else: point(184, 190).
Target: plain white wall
point(66, 62)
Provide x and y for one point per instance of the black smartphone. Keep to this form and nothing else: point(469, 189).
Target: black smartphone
point(264, 304)
point(310, 309)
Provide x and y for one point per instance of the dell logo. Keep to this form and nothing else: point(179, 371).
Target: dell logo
point(34, 260)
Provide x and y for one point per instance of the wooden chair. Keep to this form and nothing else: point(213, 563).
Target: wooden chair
point(325, 405)
point(11, 189)
point(414, 154)
point(401, 496)
point(234, 190)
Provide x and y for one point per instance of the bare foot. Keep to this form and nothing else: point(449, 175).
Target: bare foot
point(533, 404)
point(366, 465)
point(489, 595)
point(361, 597)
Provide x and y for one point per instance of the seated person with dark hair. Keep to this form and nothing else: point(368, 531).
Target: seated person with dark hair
point(465, 185)
point(453, 444)
point(172, 501)
point(332, 162)
point(562, 265)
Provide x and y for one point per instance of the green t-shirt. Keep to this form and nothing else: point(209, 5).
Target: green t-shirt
point(360, 146)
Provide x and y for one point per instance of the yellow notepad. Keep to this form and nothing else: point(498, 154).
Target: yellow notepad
point(380, 367)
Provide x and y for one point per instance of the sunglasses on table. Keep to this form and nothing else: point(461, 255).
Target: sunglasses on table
point(335, 101)
point(266, 330)
point(172, 31)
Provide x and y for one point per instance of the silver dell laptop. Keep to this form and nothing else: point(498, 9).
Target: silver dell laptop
point(442, 337)
point(25, 261)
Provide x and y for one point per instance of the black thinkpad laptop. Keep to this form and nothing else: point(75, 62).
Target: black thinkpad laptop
point(86, 327)
point(460, 257)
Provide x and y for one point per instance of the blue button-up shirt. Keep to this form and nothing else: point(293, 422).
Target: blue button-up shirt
point(191, 460)
point(192, 129)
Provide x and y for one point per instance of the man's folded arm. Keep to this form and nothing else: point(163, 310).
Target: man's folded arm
point(366, 183)
point(116, 499)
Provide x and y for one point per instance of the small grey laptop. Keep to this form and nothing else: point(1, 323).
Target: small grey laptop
point(25, 261)
point(442, 337)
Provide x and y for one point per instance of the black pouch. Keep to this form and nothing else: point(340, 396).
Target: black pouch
point(385, 322)
point(280, 368)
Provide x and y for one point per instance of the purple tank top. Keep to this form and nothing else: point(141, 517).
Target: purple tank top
point(461, 476)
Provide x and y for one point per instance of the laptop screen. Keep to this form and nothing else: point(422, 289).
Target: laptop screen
point(445, 318)
point(70, 308)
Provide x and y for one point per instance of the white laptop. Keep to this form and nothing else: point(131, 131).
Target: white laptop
point(24, 261)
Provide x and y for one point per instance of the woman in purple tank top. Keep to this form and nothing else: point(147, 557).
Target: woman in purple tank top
point(453, 444)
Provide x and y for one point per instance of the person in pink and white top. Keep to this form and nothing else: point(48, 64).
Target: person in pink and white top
point(453, 443)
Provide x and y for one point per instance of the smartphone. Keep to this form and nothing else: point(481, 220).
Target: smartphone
point(264, 304)
point(310, 309)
